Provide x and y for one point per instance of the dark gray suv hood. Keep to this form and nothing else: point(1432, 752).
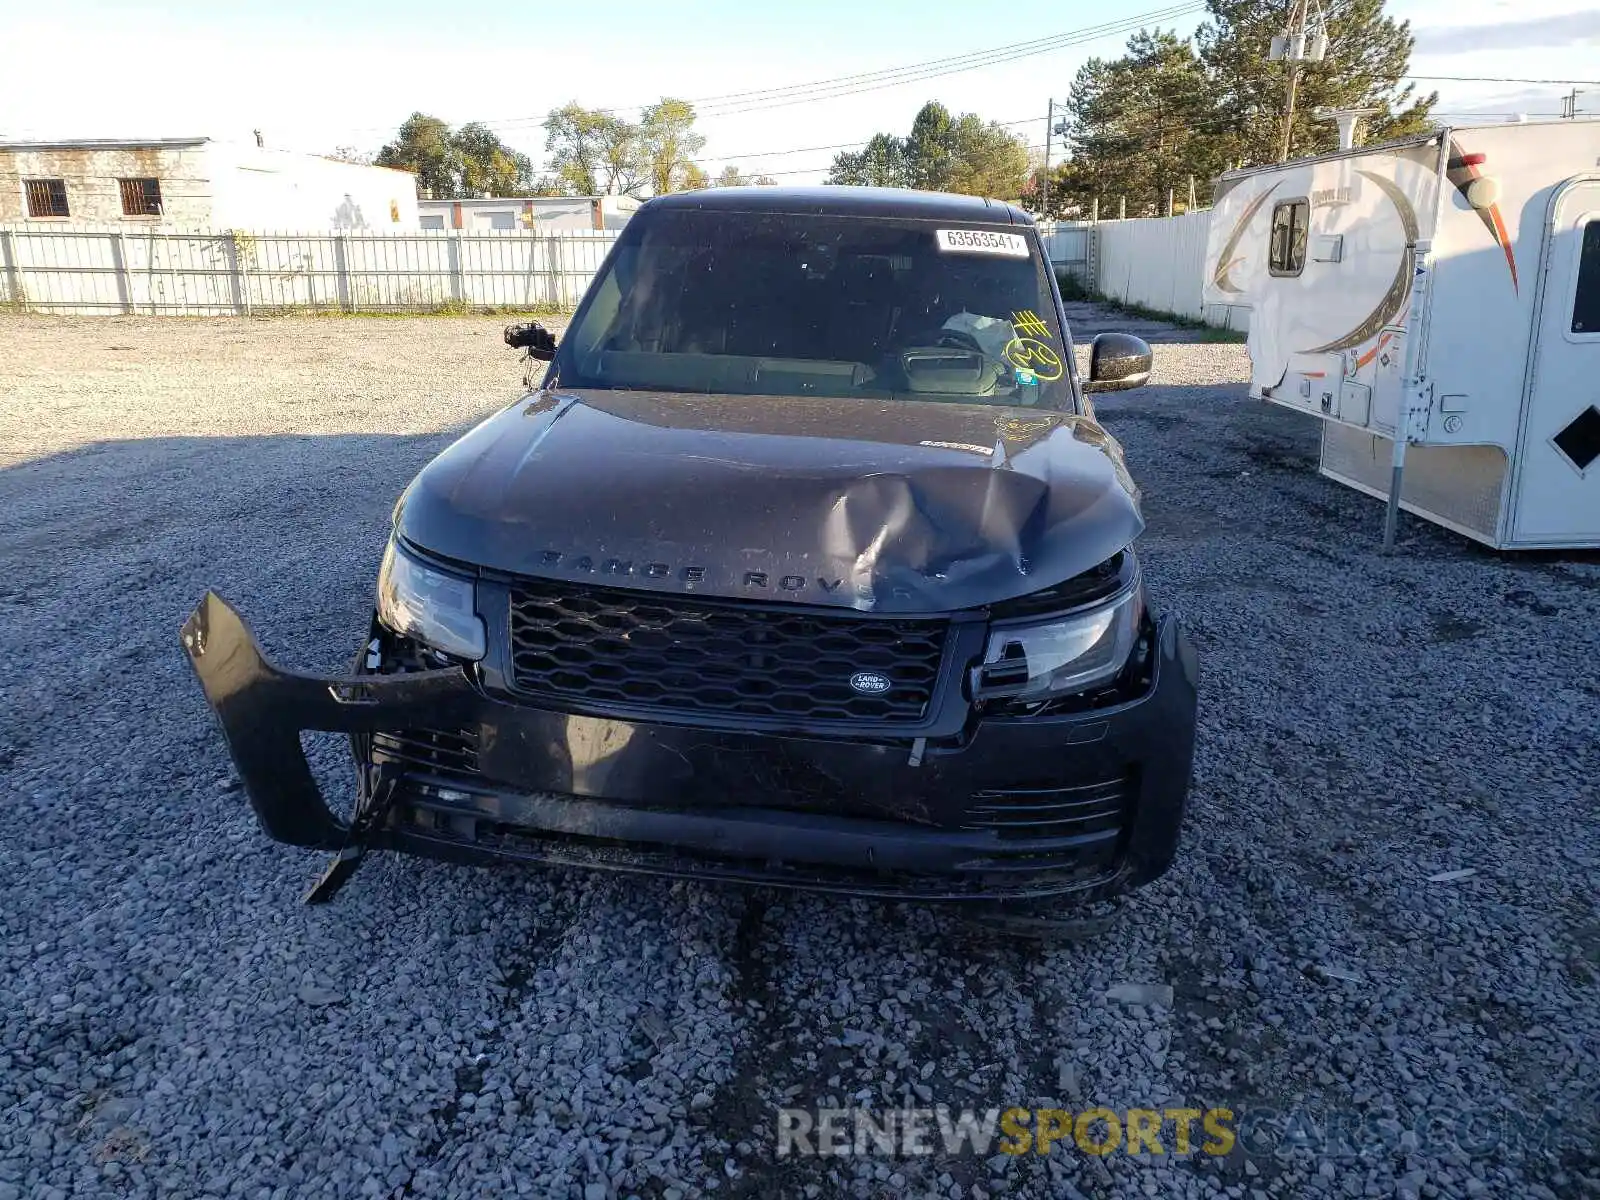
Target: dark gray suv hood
point(880, 505)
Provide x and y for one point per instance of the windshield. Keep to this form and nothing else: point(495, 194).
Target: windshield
point(785, 304)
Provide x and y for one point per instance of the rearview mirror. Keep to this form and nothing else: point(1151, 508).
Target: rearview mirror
point(533, 337)
point(1117, 362)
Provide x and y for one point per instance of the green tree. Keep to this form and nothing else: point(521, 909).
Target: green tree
point(1062, 202)
point(986, 159)
point(691, 178)
point(592, 152)
point(880, 163)
point(470, 161)
point(1140, 126)
point(668, 142)
point(423, 147)
point(729, 176)
point(1102, 135)
point(488, 166)
point(1368, 53)
point(928, 149)
point(962, 154)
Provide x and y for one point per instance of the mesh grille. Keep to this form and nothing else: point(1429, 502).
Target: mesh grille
point(701, 656)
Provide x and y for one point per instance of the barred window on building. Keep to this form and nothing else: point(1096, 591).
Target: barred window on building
point(46, 197)
point(141, 197)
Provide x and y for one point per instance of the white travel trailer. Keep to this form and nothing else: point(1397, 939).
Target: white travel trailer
point(1437, 300)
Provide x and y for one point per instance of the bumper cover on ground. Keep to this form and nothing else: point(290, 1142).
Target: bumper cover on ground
point(873, 817)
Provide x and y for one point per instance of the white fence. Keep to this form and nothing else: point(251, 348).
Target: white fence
point(1071, 245)
point(92, 269)
point(1160, 262)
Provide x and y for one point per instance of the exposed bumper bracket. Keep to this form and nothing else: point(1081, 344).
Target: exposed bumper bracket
point(372, 810)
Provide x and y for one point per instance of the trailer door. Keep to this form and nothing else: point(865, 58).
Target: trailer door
point(1558, 467)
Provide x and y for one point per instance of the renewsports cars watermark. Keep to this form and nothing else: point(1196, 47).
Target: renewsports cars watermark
point(842, 1132)
point(1256, 1132)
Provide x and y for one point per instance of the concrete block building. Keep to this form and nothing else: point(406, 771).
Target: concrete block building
point(198, 183)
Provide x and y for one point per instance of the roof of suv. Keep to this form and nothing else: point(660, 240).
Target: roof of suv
point(848, 202)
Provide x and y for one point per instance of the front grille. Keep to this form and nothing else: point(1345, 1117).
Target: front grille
point(1095, 808)
point(642, 649)
point(442, 753)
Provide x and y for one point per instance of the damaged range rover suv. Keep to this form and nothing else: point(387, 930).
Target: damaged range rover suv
point(806, 564)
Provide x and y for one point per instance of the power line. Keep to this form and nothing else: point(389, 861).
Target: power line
point(1497, 79)
point(894, 77)
point(734, 103)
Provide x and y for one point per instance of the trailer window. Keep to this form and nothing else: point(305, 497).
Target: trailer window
point(1291, 220)
point(1586, 304)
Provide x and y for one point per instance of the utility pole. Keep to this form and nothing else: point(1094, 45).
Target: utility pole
point(1304, 39)
point(1049, 136)
point(1569, 104)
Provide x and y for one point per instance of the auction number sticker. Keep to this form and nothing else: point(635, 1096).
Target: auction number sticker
point(981, 241)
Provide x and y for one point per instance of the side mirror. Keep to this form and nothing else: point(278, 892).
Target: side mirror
point(533, 337)
point(1117, 362)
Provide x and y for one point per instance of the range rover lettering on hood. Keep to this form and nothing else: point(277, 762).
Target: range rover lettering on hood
point(616, 568)
point(878, 505)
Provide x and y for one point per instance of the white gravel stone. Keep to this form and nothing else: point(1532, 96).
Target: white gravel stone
point(1366, 722)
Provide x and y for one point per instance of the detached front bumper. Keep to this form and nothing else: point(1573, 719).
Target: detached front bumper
point(1088, 803)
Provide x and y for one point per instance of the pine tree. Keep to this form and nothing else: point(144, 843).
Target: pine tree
point(1368, 54)
point(928, 149)
point(1141, 125)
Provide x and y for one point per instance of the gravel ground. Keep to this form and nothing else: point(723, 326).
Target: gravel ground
point(177, 1024)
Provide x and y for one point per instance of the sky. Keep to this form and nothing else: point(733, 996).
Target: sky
point(317, 75)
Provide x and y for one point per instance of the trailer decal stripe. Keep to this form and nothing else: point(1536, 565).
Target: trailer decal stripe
point(1399, 287)
point(1505, 244)
point(1227, 259)
point(1373, 353)
point(1461, 175)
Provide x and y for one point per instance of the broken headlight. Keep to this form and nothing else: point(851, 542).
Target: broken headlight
point(435, 608)
point(1040, 660)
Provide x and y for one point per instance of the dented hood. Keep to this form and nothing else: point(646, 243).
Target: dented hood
point(880, 505)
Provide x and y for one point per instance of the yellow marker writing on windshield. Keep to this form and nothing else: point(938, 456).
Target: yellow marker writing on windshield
point(1028, 324)
point(1035, 356)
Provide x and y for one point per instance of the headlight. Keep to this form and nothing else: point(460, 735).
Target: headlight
point(429, 605)
point(1045, 659)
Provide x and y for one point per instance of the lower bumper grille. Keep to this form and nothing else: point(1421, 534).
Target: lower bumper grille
point(694, 655)
point(1052, 812)
point(1082, 873)
point(451, 755)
